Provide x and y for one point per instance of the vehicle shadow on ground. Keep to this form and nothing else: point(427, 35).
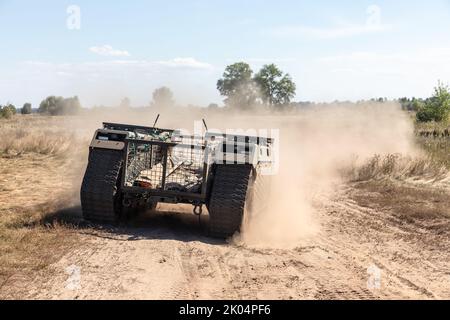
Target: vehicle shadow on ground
point(178, 225)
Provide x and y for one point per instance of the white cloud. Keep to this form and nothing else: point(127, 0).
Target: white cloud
point(144, 65)
point(328, 33)
point(176, 63)
point(107, 50)
point(185, 63)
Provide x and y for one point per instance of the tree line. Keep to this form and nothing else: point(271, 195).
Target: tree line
point(50, 106)
point(244, 89)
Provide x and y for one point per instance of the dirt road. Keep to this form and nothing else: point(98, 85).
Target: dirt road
point(360, 253)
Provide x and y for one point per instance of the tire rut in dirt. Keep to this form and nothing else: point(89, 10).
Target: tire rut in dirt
point(100, 196)
point(227, 202)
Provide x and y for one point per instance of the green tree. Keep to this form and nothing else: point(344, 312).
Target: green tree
point(238, 87)
point(70, 106)
point(50, 105)
point(276, 87)
point(163, 97)
point(26, 109)
point(59, 106)
point(285, 90)
point(436, 108)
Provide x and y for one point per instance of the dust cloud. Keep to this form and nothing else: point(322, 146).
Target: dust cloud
point(314, 144)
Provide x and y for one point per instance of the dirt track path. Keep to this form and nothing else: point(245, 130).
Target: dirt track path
point(169, 258)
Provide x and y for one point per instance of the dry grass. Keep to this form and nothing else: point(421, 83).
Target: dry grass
point(411, 203)
point(434, 138)
point(39, 169)
point(397, 167)
point(414, 190)
point(437, 148)
point(431, 126)
point(28, 245)
point(35, 134)
point(30, 240)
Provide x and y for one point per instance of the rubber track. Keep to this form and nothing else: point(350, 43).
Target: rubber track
point(227, 202)
point(99, 188)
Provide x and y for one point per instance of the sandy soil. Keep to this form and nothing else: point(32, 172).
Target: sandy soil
point(31, 180)
point(166, 256)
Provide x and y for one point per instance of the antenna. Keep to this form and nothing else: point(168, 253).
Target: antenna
point(156, 121)
point(204, 123)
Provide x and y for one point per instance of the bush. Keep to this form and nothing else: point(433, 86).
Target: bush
point(425, 114)
point(436, 108)
point(26, 109)
point(60, 106)
point(7, 111)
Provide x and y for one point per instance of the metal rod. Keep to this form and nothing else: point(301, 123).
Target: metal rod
point(164, 164)
point(156, 121)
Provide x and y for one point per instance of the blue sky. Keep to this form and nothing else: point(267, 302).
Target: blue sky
point(333, 49)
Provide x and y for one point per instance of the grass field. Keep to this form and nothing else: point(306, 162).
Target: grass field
point(37, 175)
